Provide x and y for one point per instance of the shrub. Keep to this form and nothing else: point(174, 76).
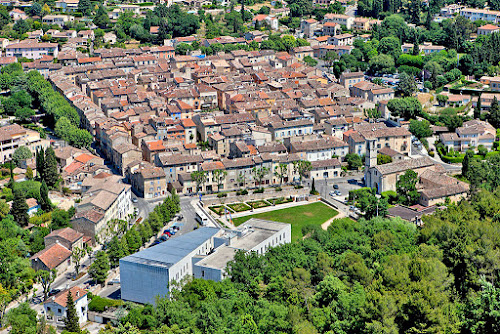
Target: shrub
point(220, 195)
point(99, 304)
point(242, 192)
point(431, 153)
point(280, 200)
point(258, 191)
point(258, 204)
point(278, 189)
point(218, 209)
point(391, 196)
point(239, 207)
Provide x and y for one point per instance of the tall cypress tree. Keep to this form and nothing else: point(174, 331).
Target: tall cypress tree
point(50, 171)
point(494, 117)
point(44, 197)
point(71, 321)
point(477, 109)
point(20, 208)
point(416, 48)
point(40, 163)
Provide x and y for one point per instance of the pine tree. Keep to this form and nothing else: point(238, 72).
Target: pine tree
point(40, 163)
point(84, 7)
point(44, 197)
point(71, 321)
point(20, 208)
point(51, 174)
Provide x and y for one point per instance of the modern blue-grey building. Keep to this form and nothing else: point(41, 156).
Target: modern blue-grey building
point(203, 253)
point(148, 273)
point(255, 235)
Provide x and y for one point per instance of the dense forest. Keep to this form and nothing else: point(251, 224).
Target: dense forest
point(376, 276)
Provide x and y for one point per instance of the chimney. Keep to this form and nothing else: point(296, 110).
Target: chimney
point(78, 293)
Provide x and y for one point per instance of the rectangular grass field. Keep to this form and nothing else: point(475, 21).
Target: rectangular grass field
point(299, 216)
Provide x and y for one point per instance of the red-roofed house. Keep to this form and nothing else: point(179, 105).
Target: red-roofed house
point(55, 307)
point(54, 257)
point(152, 148)
point(487, 29)
point(66, 237)
point(262, 19)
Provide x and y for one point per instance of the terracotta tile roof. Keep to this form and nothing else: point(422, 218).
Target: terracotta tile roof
point(31, 202)
point(488, 27)
point(66, 233)
point(62, 297)
point(72, 167)
point(154, 172)
point(52, 256)
point(84, 158)
point(212, 165)
point(155, 145)
point(188, 122)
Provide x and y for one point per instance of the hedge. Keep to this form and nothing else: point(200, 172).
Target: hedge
point(99, 304)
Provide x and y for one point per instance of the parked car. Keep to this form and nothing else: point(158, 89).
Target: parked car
point(114, 281)
point(134, 200)
point(156, 242)
point(335, 186)
point(164, 237)
point(338, 193)
point(54, 292)
point(167, 233)
point(332, 193)
point(176, 228)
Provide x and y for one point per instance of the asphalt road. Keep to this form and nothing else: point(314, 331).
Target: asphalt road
point(351, 10)
point(187, 224)
point(449, 168)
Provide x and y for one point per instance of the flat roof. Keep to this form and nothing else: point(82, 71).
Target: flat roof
point(219, 258)
point(173, 250)
point(258, 230)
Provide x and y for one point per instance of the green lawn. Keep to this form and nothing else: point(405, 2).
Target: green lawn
point(299, 216)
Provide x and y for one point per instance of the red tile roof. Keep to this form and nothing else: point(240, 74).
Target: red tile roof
point(84, 158)
point(62, 297)
point(155, 145)
point(53, 256)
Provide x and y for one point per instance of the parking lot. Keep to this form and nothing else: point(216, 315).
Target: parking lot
point(342, 187)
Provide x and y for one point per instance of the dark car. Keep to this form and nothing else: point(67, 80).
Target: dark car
point(54, 292)
point(164, 237)
point(156, 242)
point(335, 186)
